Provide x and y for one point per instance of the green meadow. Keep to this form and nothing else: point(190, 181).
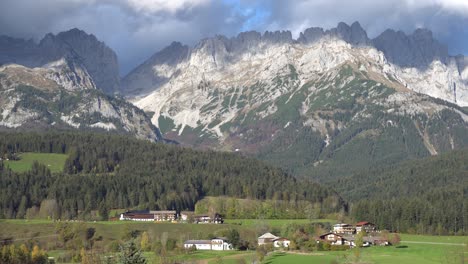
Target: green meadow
point(275, 222)
point(414, 249)
point(53, 161)
point(417, 250)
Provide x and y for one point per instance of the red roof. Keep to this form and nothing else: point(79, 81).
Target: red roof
point(363, 223)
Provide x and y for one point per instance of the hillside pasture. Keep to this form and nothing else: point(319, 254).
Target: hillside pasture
point(417, 249)
point(55, 162)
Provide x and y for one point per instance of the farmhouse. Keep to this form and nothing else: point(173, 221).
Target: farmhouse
point(266, 238)
point(281, 242)
point(149, 216)
point(277, 242)
point(186, 216)
point(350, 240)
point(213, 244)
point(164, 215)
point(344, 229)
point(332, 238)
point(366, 226)
point(345, 234)
point(207, 219)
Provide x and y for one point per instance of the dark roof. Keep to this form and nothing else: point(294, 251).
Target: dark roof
point(139, 216)
point(204, 242)
point(137, 212)
point(162, 212)
point(330, 233)
point(364, 223)
point(281, 239)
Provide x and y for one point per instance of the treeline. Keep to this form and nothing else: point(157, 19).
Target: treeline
point(111, 171)
point(14, 254)
point(419, 196)
point(268, 209)
point(437, 213)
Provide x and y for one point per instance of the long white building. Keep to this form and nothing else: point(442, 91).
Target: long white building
point(213, 244)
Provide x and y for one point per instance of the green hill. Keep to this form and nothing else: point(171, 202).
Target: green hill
point(427, 195)
point(53, 161)
point(110, 171)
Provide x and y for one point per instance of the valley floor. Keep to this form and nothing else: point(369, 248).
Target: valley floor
point(413, 249)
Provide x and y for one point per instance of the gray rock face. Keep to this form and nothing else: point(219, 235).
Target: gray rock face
point(142, 79)
point(75, 46)
point(311, 35)
point(100, 61)
point(418, 61)
point(353, 34)
point(55, 97)
point(416, 50)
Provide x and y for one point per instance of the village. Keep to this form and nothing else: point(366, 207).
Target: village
point(342, 234)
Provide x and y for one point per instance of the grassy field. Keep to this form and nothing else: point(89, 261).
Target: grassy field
point(53, 161)
point(208, 257)
point(414, 249)
point(421, 250)
point(275, 222)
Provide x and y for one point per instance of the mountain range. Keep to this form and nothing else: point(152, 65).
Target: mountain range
point(328, 103)
point(65, 81)
point(325, 104)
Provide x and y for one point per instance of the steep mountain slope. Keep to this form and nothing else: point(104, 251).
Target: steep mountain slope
point(73, 46)
point(61, 95)
point(326, 104)
point(447, 171)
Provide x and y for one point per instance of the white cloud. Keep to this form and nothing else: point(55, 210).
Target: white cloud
point(135, 29)
point(172, 6)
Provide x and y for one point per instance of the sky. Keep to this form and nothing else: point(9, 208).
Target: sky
point(136, 29)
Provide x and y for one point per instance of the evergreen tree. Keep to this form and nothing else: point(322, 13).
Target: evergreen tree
point(130, 254)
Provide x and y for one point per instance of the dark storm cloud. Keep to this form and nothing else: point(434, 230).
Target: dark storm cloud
point(135, 29)
point(446, 18)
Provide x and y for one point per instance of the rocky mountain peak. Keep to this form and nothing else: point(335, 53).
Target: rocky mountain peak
point(416, 50)
point(353, 34)
point(100, 61)
point(311, 35)
point(278, 36)
point(78, 47)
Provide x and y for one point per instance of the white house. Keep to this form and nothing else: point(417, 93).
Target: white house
point(281, 242)
point(366, 226)
point(344, 229)
point(148, 216)
point(332, 238)
point(137, 217)
point(266, 238)
point(213, 244)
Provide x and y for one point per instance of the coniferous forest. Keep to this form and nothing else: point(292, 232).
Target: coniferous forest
point(103, 172)
point(426, 196)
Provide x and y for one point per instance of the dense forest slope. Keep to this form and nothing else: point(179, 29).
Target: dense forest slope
point(425, 196)
point(104, 172)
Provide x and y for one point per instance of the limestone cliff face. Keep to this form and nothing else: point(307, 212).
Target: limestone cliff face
point(261, 92)
point(73, 47)
point(60, 95)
